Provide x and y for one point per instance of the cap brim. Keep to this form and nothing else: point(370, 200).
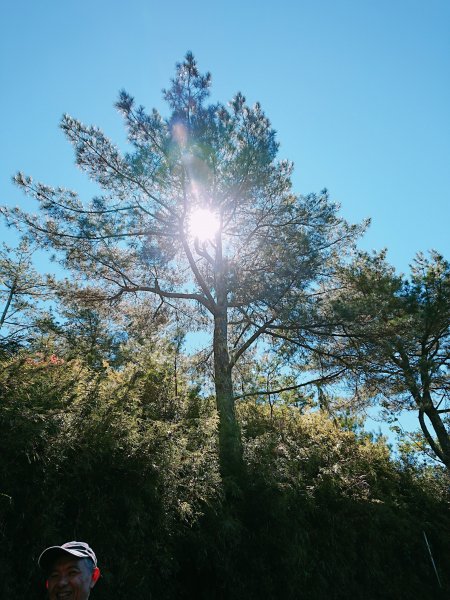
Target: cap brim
point(50, 554)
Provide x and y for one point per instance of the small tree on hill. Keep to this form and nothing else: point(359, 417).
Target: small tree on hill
point(393, 335)
point(21, 289)
point(263, 251)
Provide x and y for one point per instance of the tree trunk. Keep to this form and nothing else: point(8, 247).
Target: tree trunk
point(442, 434)
point(230, 444)
point(12, 291)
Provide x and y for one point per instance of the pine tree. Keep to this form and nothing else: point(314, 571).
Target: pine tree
point(257, 270)
point(393, 336)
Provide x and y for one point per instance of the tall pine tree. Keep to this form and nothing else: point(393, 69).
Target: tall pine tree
point(257, 270)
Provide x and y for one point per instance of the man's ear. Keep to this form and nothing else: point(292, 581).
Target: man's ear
point(95, 576)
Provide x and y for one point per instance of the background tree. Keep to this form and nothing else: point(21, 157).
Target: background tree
point(21, 290)
point(261, 255)
point(93, 333)
point(394, 336)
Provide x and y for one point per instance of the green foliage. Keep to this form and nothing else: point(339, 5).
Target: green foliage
point(107, 458)
point(116, 458)
point(329, 516)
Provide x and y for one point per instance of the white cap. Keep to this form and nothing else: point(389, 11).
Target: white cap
point(78, 549)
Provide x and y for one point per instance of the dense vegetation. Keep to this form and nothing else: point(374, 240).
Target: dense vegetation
point(115, 458)
point(242, 471)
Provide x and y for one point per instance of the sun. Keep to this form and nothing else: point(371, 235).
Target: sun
point(203, 224)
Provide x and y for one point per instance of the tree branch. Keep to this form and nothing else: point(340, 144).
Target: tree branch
point(159, 292)
point(291, 387)
point(249, 342)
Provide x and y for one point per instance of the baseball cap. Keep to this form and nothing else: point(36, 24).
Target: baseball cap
point(77, 549)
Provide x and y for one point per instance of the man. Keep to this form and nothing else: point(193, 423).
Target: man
point(71, 570)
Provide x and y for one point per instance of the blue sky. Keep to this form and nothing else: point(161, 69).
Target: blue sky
point(357, 90)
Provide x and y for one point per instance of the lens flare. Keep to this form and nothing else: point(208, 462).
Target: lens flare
point(179, 133)
point(203, 224)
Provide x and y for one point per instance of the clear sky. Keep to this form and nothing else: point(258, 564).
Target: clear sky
point(358, 91)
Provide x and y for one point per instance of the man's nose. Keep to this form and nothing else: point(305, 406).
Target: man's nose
point(62, 580)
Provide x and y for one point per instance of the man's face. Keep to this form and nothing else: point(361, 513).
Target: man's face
point(70, 578)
